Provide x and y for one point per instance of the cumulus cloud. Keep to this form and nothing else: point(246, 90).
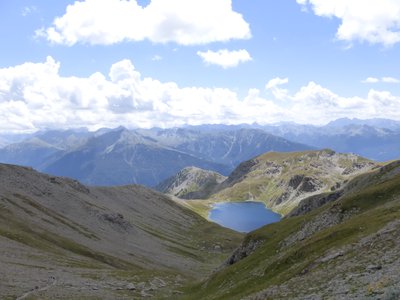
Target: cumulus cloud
point(107, 22)
point(35, 96)
point(225, 58)
point(383, 79)
point(273, 86)
point(376, 22)
point(316, 104)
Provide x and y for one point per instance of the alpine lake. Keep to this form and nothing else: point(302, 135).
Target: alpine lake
point(243, 216)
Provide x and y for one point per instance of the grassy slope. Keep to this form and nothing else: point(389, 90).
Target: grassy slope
point(273, 264)
point(262, 184)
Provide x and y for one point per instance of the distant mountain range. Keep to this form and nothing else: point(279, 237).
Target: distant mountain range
point(149, 156)
point(120, 156)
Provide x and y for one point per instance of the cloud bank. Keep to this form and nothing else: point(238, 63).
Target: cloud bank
point(34, 96)
point(107, 22)
point(373, 21)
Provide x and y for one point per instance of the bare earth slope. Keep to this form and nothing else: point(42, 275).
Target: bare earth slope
point(60, 239)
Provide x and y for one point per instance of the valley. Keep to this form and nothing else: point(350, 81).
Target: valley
point(200, 150)
point(61, 238)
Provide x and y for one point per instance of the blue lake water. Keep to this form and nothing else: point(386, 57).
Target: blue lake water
point(242, 216)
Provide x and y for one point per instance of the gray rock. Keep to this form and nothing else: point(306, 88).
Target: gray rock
point(371, 268)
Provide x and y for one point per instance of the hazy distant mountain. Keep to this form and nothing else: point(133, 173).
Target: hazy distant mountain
point(224, 144)
point(3, 142)
point(41, 148)
point(149, 156)
point(120, 156)
point(124, 157)
point(33, 152)
point(65, 139)
point(10, 138)
point(345, 135)
point(376, 122)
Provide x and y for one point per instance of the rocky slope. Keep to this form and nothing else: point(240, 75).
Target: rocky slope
point(60, 239)
point(345, 249)
point(282, 180)
point(191, 183)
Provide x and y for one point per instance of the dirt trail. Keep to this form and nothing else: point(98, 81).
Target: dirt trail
point(39, 289)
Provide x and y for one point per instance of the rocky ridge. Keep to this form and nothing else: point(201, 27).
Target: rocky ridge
point(191, 183)
point(282, 180)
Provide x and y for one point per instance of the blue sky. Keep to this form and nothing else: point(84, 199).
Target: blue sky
point(172, 62)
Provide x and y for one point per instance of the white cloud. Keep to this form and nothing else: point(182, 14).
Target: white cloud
point(28, 10)
point(315, 104)
point(370, 80)
point(225, 58)
point(383, 79)
point(35, 96)
point(106, 22)
point(156, 58)
point(273, 86)
point(373, 21)
point(390, 80)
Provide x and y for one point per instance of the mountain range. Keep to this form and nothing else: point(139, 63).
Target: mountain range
point(374, 139)
point(121, 156)
point(149, 156)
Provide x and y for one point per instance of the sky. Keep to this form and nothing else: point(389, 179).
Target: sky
point(164, 63)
